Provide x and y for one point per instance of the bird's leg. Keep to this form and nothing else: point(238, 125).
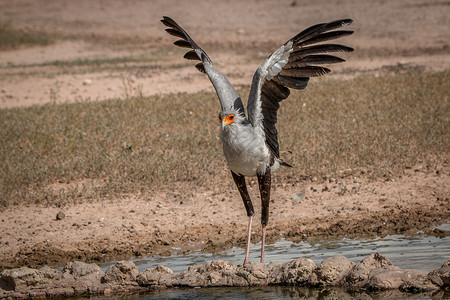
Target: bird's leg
point(264, 181)
point(249, 236)
point(242, 187)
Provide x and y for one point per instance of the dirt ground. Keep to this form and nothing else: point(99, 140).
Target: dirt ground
point(390, 36)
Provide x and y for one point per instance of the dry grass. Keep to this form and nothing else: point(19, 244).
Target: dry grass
point(11, 38)
point(59, 154)
point(379, 125)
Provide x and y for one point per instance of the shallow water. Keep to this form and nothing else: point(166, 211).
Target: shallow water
point(418, 252)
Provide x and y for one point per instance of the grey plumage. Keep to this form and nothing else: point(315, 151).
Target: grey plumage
point(250, 142)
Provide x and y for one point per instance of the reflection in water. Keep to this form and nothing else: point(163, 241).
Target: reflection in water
point(278, 293)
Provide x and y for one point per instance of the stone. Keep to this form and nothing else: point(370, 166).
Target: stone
point(36, 294)
point(159, 276)
point(214, 273)
point(417, 282)
point(78, 270)
point(441, 276)
point(21, 278)
point(50, 273)
point(332, 270)
point(87, 81)
point(298, 197)
point(255, 274)
point(374, 274)
point(412, 281)
point(190, 278)
point(60, 292)
point(107, 292)
point(149, 277)
point(359, 274)
point(295, 272)
point(382, 279)
point(121, 272)
point(60, 216)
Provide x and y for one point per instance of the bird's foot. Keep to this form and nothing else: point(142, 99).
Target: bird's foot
point(246, 262)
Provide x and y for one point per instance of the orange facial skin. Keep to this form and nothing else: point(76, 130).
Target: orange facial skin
point(228, 119)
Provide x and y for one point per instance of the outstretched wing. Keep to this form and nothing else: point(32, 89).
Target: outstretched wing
point(228, 97)
point(291, 66)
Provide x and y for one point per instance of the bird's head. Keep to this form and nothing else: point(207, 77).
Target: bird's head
point(229, 117)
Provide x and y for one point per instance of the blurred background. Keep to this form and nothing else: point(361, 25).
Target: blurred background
point(392, 36)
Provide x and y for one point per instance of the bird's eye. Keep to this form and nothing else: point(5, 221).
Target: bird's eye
point(231, 117)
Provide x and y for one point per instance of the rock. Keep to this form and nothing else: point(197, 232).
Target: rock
point(87, 82)
point(417, 282)
point(359, 274)
point(441, 276)
point(60, 292)
point(121, 272)
point(298, 197)
point(158, 276)
point(295, 272)
point(191, 278)
point(375, 274)
point(332, 270)
point(21, 278)
point(35, 294)
point(60, 216)
point(255, 274)
point(81, 277)
point(78, 270)
point(411, 281)
point(212, 273)
point(107, 292)
point(50, 273)
point(381, 279)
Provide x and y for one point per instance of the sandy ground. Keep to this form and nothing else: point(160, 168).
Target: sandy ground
point(348, 207)
point(391, 36)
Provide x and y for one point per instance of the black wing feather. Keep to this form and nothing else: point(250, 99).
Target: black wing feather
point(308, 32)
point(300, 67)
point(293, 82)
point(191, 55)
point(338, 24)
point(332, 35)
point(200, 67)
point(175, 32)
point(186, 41)
point(182, 44)
point(272, 93)
point(309, 60)
point(307, 71)
point(318, 49)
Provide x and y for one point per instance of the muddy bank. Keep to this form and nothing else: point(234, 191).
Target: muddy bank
point(373, 274)
point(156, 224)
point(164, 242)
